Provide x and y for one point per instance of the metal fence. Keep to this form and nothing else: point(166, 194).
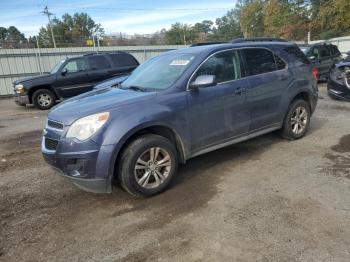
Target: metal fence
point(19, 63)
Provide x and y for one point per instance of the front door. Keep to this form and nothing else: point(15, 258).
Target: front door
point(218, 113)
point(73, 78)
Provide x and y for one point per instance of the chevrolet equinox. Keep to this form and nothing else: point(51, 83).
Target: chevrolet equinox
point(176, 106)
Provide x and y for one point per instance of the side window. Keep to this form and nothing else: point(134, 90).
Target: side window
point(324, 52)
point(224, 65)
point(121, 60)
point(335, 50)
point(295, 54)
point(98, 62)
point(280, 63)
point(315, 51)
point(259, 61)
point(76, 65)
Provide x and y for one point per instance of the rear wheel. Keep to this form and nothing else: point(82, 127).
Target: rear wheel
point(147, 165)
point(297, 120)
point(44, 99)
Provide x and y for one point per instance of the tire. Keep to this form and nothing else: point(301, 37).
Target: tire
point(289, 130)
point(44, 99)
point(133, 178)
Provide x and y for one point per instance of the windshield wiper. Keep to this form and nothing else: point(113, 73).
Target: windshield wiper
point(136, 88)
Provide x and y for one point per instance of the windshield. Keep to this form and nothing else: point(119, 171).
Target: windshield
point(56, 67)
point(159, 72)
point(304, 49)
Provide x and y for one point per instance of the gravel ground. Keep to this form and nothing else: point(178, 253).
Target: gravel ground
point(266, 199)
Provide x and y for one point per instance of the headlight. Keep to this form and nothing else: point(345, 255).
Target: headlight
point(85, 127)
point(19, 89)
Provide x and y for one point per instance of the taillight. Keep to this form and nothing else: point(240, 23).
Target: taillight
point(315, 73)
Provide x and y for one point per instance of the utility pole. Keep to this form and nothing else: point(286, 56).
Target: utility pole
point(48, 14)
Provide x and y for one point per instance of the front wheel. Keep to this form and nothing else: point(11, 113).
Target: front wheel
point(297, 120)
point(147, 165)
point(44, 99)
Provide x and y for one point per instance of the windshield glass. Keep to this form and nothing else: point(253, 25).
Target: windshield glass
point(56, 67)
point(159, 72)
point(304, 49)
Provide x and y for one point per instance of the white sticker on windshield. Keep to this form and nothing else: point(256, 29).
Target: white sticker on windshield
point(179, 62)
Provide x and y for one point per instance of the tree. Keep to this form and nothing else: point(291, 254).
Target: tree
point(70, 30)
point(3, 33)
point(227, 27)
point(251, 18)
point(180, 34)
point(334, 17)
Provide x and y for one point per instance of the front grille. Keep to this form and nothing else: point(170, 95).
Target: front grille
point(54, 124)
point(51, 144)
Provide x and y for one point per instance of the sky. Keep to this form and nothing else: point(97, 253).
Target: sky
point(126, 16)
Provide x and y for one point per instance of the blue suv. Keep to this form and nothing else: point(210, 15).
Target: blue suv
point(176, 106)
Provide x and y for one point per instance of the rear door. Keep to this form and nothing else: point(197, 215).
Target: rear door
point(218, 113)
point(123, 64)
point(268, 79)
point(325, 61)
point(99, 69)
point(72, 79)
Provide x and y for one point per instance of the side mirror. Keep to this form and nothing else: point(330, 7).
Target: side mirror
point(64, 71)
point(203, 81)
point(312, 57)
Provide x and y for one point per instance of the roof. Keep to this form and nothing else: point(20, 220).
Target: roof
point(217, 47)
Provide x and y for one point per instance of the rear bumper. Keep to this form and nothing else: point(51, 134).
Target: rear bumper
point(21, 100)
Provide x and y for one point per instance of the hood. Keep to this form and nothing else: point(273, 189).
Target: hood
point(30, 78)
point(96, 101)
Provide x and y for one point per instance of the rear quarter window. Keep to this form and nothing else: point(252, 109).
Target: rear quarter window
point(295, 55)
point(122, 60)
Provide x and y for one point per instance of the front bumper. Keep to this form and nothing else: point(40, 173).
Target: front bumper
point(338, 91)
point(21, 99)
point(86, 164)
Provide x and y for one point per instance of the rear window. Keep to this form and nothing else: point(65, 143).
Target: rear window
point(295, 54)
point(121, 60)
point(98, 62)
point(259, 61)
point(324, 52)
point(334, 50)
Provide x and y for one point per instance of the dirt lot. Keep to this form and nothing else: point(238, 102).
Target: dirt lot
point(266, 199)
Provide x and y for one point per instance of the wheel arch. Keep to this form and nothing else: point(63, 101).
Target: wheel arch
point(35, 88)
point(156, 129)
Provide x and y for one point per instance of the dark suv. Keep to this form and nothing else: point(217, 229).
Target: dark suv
point(176, 106)
point(323, 56)
point(71, 77)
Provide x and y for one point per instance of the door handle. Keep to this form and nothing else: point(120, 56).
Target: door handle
point(239, 90)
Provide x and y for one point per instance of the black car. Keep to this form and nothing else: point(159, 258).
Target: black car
point(338, 85)
point(323, 56)
point(71, 77)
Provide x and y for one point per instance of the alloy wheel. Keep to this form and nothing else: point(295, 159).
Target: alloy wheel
point(152, 167)
point(299, 120)
point(44, 100)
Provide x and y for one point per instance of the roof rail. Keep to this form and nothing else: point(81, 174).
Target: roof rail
point(207, 43)
point(257, 39)
point(103, 52)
